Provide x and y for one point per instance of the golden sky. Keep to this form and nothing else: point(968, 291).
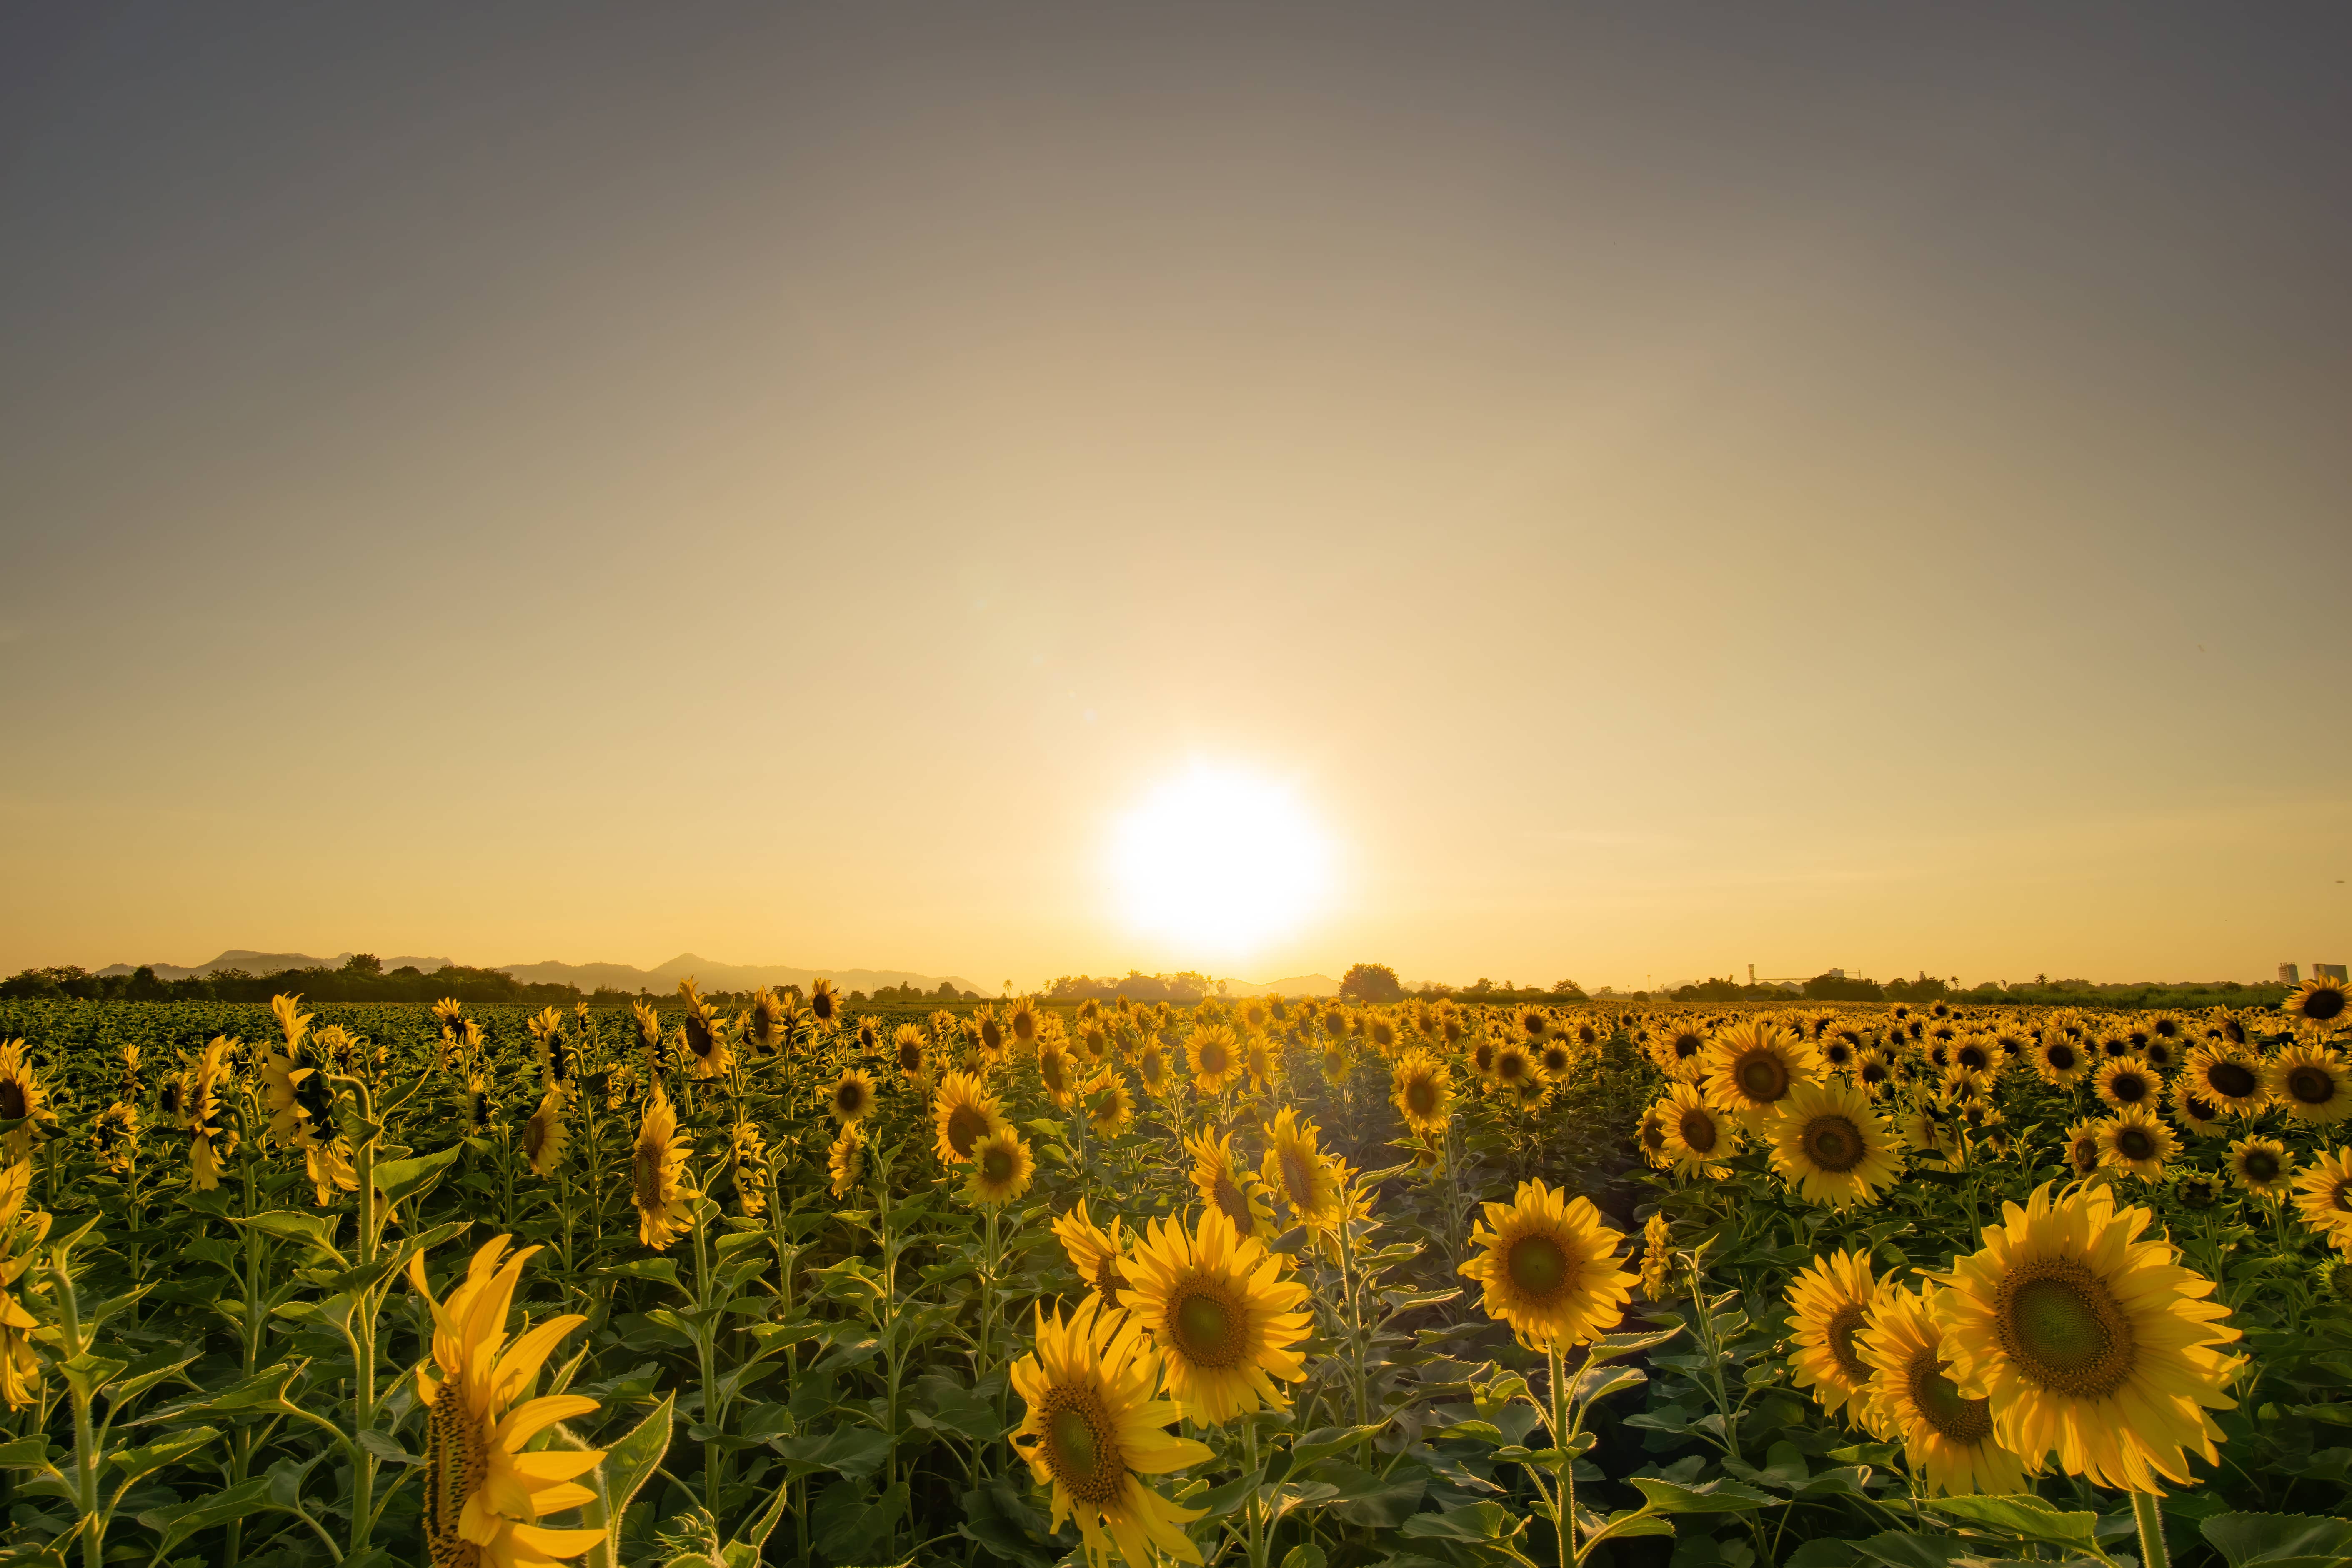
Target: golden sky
point(1836, 487)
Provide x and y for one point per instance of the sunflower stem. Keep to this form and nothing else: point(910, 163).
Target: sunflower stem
point(2149, 1516)
point(1564, 1467)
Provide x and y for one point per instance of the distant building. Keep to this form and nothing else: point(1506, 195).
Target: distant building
point(2329, 971)
point(2290, 975)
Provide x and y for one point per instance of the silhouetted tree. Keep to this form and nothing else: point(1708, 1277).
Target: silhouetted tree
point(1370, 982)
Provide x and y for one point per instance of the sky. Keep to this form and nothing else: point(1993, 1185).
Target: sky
point(1660, 488)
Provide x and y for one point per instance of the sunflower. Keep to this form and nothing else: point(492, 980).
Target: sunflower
point(1555, 1057)
point(21, 1100)
point(1514, 1067)
point(1002, 1168)
point(1482, 1058)
point(962, 1113)
point(1829, 1145)
point(1026, 1020)
point(2197, 1116)
point(1227, 1184)
point(544, 1136)
point(2228, 1077)
point(2058, 1061)
point(1549, 1267)
point(1295, 1168)
point(2324, 1195)
point(824, 1002)
point(484, 1495)
point(1213, 1058)
point(1110, 1104)
point(1058, 1075)
point(1222, 1315)
point(2083, 1147)
point(2311, 1083)
point(1831, 1303)
point(853, 1095)
point(747, 1160)
point(1422, 1089)
point(2136, 1141)
point(1336, 1062)
point(2319, 1000)
point(555, 1055)
point(199, 1112)
point(1152, 1070)
point(1875, 1072)
point(1679, 1049)
point(114, 1137)
point(1696, 1134)
point(21, 1235)
point(1093, 1251)
point(1751, 1068)
point(1657, 1256)
point(704, 1034)
point(844, 1160)
point(2261, 1165)
point(2089, 1342)
point(1092, 1432)
point(2127, 1082)
point(1949, 1439)
point(1257, 1062)
point(1649, 1134)
point(664, 1205)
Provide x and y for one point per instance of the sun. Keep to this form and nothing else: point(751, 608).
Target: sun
point(1219, 862)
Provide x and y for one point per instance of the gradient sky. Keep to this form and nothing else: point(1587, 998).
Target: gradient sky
point(1672, 488)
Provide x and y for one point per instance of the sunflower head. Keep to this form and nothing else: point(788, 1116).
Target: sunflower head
point(962, 1113)
point(1830, 1304)
point(1549, 1267)
point(1225, 1319)
point(1950, 1437)
point(2311, 1083)
point(2263, 1167)
point(1002, 1168)
point(1227, 1184)
point(1832, 1146)
point(1751, 1067)
point(2319, 1000)
point(2136, 1141)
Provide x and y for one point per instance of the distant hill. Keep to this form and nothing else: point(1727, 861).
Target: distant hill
point(714, 976)
point(663, 978)
point(1290, 985)
point(254, 963)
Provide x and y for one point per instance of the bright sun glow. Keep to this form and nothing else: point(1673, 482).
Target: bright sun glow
point(1219, 862)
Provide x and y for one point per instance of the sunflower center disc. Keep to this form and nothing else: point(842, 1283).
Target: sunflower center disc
point(2128, 1088)
point(2261, 1165)
point(12, 1100)
point(965, 1125)
point(1536, 1265)
point(2231, 1080)
point(2065, 1330)
point(1422, 1096)
point(1698, 1131)
point(2323, 1004)
point(1204, 1330)
point(2061, 1057)
point(1966, 1421)
point(1761, 1078)
point(997, 1165)
point(2132, 1143)
point(1077, 1457)
point(2308, 1084)
point(1834, 1143)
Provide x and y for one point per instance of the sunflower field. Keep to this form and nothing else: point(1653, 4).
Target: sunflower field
point(1259, 1283)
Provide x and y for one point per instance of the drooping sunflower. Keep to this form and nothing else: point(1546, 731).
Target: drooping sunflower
point(1221, 1312)
point(1829, 1144)
point(2136, 1141)
point(484, 1494)
point(853, 1095)
point(1698, 1136)
point(1297, 1170)
point(747, 1163)
point(2058, 1061)
point(1092, 1432)
point(1227, 1184)
point(1949, 1439)
point(1001, 1169)
point(1422, 1089)
point(2319, 1000)
point(114, 1137)
point(1751, 1068)
point(2261, 1165)
point(962, 1113)
point(2227, 1077)
point(665, 1204)
point(2311, 1083)
point(2323, 1195)
point(1549, 1267)
point(21, 1100)
point(1094, 1252)
point(1649, 1135)
point(2127, 1083)
point(1657, 1256)
point(2091, 1344)
point(1831, 1301)
point(209, 1139)
point(544, 1136)
point(844, 1160)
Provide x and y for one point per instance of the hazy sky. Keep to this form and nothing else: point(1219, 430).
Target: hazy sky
point(1668, 488)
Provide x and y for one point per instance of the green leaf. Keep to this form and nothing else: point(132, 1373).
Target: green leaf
point(1307, 1556)
point(133, 1463)
point(627, 1465)
point(1901, 1549)
point(1713, 1496)
point(178, 1522)
point(315, 1231)
point(1325, 1441)
point(1367, 1501)
point(662, 1268)
point(1601, 1382)
point(1615, 1347)
point(1472, 1521)
point(856, 1452)
point(2028, 1517)
point(1224, 1500)
point(399, 1179)
point(1625, 1523)
point(2279, 1539)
